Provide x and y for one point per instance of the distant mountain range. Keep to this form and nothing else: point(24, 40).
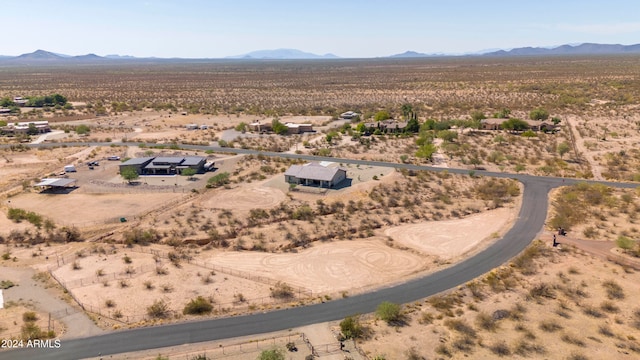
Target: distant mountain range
point(46, 57)
point(282, 54)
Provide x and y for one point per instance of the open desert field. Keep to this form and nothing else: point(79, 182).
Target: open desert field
point(240, 239)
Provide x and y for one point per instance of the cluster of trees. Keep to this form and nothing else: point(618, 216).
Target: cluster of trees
point(47, 100)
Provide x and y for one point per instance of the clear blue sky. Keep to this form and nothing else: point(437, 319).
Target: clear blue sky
point(347, 28)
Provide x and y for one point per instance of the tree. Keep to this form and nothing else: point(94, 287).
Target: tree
point(189, 172)
point(382, 115)
point(273, 354)
point(413, 125)
point(361, 128)
point(6, 102)
point(515, 125)
point(478, 115)
point(447, 135)
point(388, 311)
point(242, 127)
point(426, 151)
point(32, 130)
point(278, 127)
point(502, 114)
point(129, 173)
point(351, 327)
point(407, 111)
point(562, 148)
point(539, 114)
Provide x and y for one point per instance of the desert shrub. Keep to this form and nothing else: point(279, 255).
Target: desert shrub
point(460, 326)
point(273, 354)
point(388, 311)
point(605, 330)
point(218, 180)
point(486, 321)
point(593, 312)
point(351, 327)
point(571, 339)
point(550, 326)
point(159, 310)
point(609, 307)
point(412, 354)
point(542, 290)
point(625, 243)
point(524, 348)
point(577, 356)
point(282, 290)
point(500, 348)
point(198, 306)
point(148, 285)
point(29, 316)
point(109, 303)
point(614, 290)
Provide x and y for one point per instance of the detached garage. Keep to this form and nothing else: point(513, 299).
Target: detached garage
point(56, 183)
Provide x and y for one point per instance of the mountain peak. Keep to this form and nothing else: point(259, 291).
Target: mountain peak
point(282, 54)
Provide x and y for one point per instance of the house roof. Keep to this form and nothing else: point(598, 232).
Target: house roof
point(192, 160)
point(55, 182)
point(137, 161)
point(313, 171)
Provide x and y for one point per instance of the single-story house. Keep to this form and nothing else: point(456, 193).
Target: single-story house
point(535, 125)
point(23, 127)
point(386, 126)
point(257, 126)
point(165, 165)
point(315, 174)
point(298, 128)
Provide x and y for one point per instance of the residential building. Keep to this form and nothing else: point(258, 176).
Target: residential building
point(315, 174)
point(165, 165)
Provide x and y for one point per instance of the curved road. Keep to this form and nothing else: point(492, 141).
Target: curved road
point(530, 220)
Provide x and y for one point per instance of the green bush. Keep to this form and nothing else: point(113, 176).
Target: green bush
point(273, 354)
point(198, 306)
point(218, 180)
point(351, 327)
point(388, 311)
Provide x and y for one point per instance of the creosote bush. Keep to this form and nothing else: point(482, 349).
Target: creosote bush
point(198, 306)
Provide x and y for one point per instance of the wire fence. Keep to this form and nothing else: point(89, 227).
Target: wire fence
point(219, 308)
point(301, 291)
point(298, 340)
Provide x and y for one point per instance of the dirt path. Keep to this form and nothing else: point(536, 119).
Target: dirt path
point(581, 150)
point(600, 249)
point(45, 300)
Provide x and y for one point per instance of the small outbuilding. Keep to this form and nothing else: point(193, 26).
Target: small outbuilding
point(56, 183)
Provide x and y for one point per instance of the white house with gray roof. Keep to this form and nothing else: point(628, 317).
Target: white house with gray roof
point(315, 174)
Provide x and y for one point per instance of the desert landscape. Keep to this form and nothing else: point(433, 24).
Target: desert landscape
point(116, 253)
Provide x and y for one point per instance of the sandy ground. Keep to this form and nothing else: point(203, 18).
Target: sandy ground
point(451, 238)
point(245, 198)
point(334, 267)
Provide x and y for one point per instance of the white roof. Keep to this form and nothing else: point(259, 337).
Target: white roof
point(55, 182)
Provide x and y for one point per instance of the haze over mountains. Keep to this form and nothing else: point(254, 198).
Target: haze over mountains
point(46, 57)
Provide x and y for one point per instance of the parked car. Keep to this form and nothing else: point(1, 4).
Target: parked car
point(113, 158)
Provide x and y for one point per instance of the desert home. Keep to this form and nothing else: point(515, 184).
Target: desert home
point(166, 165)
point(386, 126)
point(496, 124)
point(292, 128)
point(315, 174)
point(39, 127)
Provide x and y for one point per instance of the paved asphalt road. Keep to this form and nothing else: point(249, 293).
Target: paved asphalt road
point(530, 221)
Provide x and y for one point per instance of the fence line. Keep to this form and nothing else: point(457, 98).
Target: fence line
point(121, 275)
point(229, 271)
point(222, 351)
